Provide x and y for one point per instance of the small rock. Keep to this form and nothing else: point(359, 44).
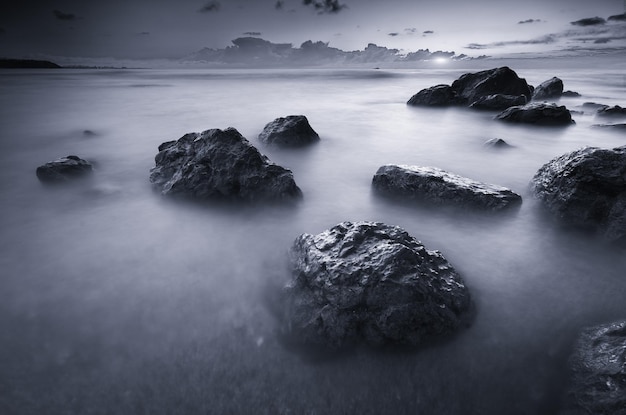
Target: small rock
point(498, 102)
point(552, 88)
point(614, 111)
point(438, 186)
point(537, 113)
point(611, 126)
point(435, 96)
point(593, 105)
point(291, 131)
point(497, 143)
point(570, 94)
point(63, 169)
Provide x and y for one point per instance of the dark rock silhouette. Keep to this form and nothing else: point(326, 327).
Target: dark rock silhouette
point(593, 105)
point(552, 88)
point(614, 111)
point(440, 187)
point(63, 169)
point(598, 368)
point(497, 143)
point(587, 188)
point(27, 64)
point(537, 113)
point(220, 165)
point(617, 17)
point(498, 102)
point(291, 131)
point(373, 283)
point(618, 127)
point(435, 96)
point(570, 94)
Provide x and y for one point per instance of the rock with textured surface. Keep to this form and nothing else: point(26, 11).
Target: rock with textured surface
point(614, 111)
point(291, 131)
point(63, 169)
point(435, 96)
point(552, 88)
point(437, 186)
point(218, 164)
point(472, 86)
point(373, 283)
point(598, 367)
point(538, 114)
point(587, 188)
point(498, 102)
point(497, 143)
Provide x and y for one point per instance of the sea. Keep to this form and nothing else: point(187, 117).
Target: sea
point(117, 300)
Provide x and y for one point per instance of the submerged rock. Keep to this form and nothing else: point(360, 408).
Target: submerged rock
point(373, 283)
point(587, 188)
point(435, 96)
point(552, 88)
point(438, 186)
point(63, 169)
point(497, 143)
point(218, 164)
point(472, 86)
point(570, 94)
point(537, 113)
point(291, 131)
point(614, 111)
point(618, 127)
point(498, 102)
point(599, 371)
point(593, 105)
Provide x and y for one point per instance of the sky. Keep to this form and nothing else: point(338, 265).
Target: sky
point(140, 29)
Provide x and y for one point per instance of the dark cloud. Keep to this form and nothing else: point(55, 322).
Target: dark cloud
point(144, 33)
point(64, 16)
point(410, 30)
point(544, 40)
point(428, 32)
point(589, 21)
point(252, 33)
point(279, 4)
point(393, 34)
point(529, 21)
point(618, 17)
point(325, 6)
point(212, 6)
point(602, 41)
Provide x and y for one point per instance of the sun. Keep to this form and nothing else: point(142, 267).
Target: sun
point(441, 60)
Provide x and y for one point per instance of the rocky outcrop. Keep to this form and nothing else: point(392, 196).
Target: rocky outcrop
point(222, 165)
point(538, 114)
point(614, 111)
point(435, 96)
point(291, 131)
point(598, 366)
point(433, 185)
point(63, 169)
point(373, 283)
point(472, 86)
point(587, 188)
point(497, 143)
point(550, 89)
point(498, 102)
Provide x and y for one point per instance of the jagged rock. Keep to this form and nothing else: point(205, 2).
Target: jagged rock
point(440, 187)
point(497, 143)
point(587, 188)
point(552, 88)
point(570, 94)
point(537, 113)
point(614, 111)
point(472, 86)
point(291, 131)
point(63, 169)
point(498, 102)
point(218, 164)
point(373, 283)
point(598, 366)
point(435, 96)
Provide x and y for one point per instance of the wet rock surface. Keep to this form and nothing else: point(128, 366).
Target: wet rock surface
point(587, 188)
point(220, 165)
point(433, 185)
point(472, 86)
point(498, 102)
point(614, 111)
point(64, 169)
point(435, 96)
point(550, 89)
point(497, 143)
point(372, 283)
point(538, 114)
point(290, 131)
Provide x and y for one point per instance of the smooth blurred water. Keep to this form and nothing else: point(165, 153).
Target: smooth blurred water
point(116, 300)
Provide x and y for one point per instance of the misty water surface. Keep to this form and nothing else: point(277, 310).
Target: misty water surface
point(116, 300)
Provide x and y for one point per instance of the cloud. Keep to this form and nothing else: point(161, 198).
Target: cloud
point(252, 33)
point(589, 21)
point(279, 4)
point(428, 32)
point(529, 21)
point(410, 30)
point(63, 16)
point(602, 40)
point(543, 40)
point(393, 34)
point(325, 6)
point(212, 6)
point(144, 33)
point(618, 17)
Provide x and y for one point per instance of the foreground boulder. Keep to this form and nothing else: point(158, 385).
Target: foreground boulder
point(587, 188)
point(63, 169)
point(220, 164)
point(599, 371)
point(552, 88)
point(291, 131)
point(538, 114)
point(440, 187)
point(373, 283)
point(498, 102)
point(435, 96)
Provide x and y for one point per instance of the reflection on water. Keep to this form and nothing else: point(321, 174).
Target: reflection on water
point(114, 300)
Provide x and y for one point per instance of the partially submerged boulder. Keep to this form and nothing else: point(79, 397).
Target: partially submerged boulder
point(63, 169)
point(598, 366)
point(497, 143)
point(570, 94)
point(587, 188)
point(290, 131)
point(373, 283)
point(437, 186)
point(435, 96)
point(552, 88)
point(537, 113)
point(498, 102)
point(614, 111)
point(218, 164)
point(472, 86)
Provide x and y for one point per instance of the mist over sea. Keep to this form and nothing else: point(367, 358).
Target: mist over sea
point(115, 300)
